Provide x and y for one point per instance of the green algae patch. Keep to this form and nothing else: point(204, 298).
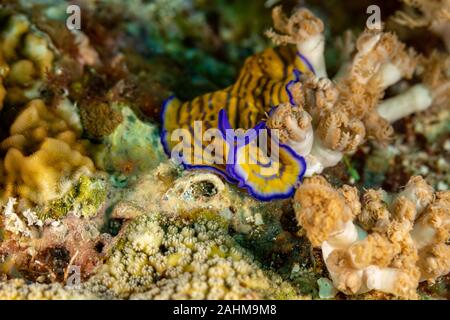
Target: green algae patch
point(132, 148)
point(84, 199)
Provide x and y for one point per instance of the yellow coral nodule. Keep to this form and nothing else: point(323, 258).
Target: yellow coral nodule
point(42, 153)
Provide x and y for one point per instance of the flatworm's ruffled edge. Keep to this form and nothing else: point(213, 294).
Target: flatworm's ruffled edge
point(163, 134)
point(275, 196)
point(224, 124)
point(306, 61)
point(297, 74)
point(165, 144)
point(230, 173)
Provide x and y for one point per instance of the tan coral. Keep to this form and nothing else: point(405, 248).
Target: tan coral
point(406, 241)
point(373, 49)
point(434, 262)
point(431, 233)
point(376, 262)
point(26, 55)
point(350, 110)
point(320, 94)
point(375, 213)
point(346, 112)
point(338, 132)
point(355, 266)
point(403, 210)
point(435, 73)
point(43, 155)
point(433, 90)
point(303, 29)
point(294, 127)
point(355, 99)
point(380, 61)
point(300, 26)
point(343, 274)
point(351, 198)
point(433, 14)
point(378, 128)
point(396, 61)
point(373, 250)
point(419, 192)
point(322, 210)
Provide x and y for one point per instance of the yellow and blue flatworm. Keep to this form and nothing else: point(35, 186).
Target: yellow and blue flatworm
point(262, 84)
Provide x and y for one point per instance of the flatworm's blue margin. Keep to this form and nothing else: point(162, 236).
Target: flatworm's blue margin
point(297, 74)
point(287, 194)
point(163, 137)
point(163, 133)
point(225, 124)
point(306, 61)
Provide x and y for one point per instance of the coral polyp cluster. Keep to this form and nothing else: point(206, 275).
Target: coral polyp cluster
point(403, 240)
point(319, 119)
point(159, 259)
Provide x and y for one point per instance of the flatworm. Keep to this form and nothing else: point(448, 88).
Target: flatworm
point(263, 83)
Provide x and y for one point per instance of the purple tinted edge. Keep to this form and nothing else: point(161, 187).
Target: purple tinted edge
point(297, 74)
point(163, 137)
point(278, 196)
point(306, 61)
point(163, 128)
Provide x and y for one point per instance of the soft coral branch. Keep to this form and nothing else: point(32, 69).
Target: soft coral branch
point(405, 242)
